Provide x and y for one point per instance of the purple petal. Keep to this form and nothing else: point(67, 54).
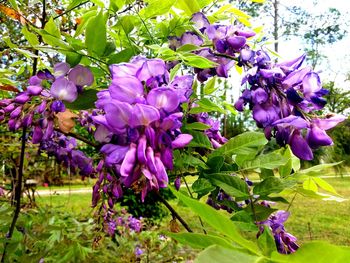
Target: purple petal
point(34, 80)
point(245, 33)
point(34, 90)
point(294, 121)
point(64, 89)
point(144, 115)
point(102, 134)
point(200, 20)
point(167, 158)
point(236, 42)
point(123, 70)
point(183, 86)
point(191, 38)
point(326, 124)
point(265, 114)
point(317, 137)
point(311, 83)
point(22, 98)
point(259, 96)
point(181, 141)
point(163, 98)
point(141, 149)
point(152, 68)
point(37, 135)
point(60, 69)
point(118, 114)
point(129, 161)
point(292, 64)
point(150, 160)
point(126, 89)
point(81, 76)
point(300, 147)
point(296, 77)
point(162, 176)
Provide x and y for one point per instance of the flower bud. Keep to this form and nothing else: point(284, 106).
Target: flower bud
point(22, 98)
point(34, 90)
point(16, 112)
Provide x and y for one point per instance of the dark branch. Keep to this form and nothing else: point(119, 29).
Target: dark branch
point(18, 193)
point(79, 137)
point(173, 212)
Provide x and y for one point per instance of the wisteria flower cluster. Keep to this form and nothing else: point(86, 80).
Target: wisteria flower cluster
point(285, 242)
point(227, 42)
point(283, 97)
point(139, 125)
point(36, 109)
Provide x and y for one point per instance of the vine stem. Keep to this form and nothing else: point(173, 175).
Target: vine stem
point(79, 137)
point(18, 193)
point(173, 212)
point(190, 193)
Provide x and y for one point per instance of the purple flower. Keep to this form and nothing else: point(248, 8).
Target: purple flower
point(64, 89)
point(81, 76)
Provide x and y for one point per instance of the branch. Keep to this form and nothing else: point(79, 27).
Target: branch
point(69, 10)
point(18, 193)
point(79, 137)
point(173, 212)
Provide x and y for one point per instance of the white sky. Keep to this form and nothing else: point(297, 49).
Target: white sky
point(338, 63)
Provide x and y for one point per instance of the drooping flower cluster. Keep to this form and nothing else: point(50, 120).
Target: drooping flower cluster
point(213, 132)
point(285, 242)
point(120, 223)
point(283, 98)
point(140, 125)
point(227, 42)
point(65, 152)
point(36, 109)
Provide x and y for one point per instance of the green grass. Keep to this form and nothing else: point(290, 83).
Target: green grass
point(310, 218)
point(316, 219)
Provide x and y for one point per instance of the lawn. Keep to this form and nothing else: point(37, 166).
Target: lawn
point(311, 219)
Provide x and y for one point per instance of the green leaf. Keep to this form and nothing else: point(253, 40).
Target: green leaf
point(220, 254)
point(232, 185)
point(286, 169)
point(52, 29)
point(268, 186)
point(194, 161)
point(197, 126)
point(96, 35)
point(74, 3)
point(174, 71)
point(266, 242)
point(116, 5)
point(205, 105)
point(84, 21)
point(123, 56)
point(209, 86)
point(197, 240)
point(202, 187)
point(187, 48)
point(190, 7)
point(197, 61)
point(317, 251)
point(31, 37)
point(73, 58)
point(215, 163)
point(260, 213)
point(267, 161)
point(85, 101)
point(309, 184)
point(199, 140)
point(217, 220)
point(248, 143)
point(324, 185)
point(314, 170)
point(156, 8)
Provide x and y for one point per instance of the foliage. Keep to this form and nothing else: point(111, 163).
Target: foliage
point(148, 121)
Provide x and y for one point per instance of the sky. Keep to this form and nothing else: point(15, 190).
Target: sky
point(337, 65)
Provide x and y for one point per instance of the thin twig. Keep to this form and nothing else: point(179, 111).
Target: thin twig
point(69, 10)
point(18, 193)
point(190, 193)
point(290, 204)
point(173, 212)
point(79, 137)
